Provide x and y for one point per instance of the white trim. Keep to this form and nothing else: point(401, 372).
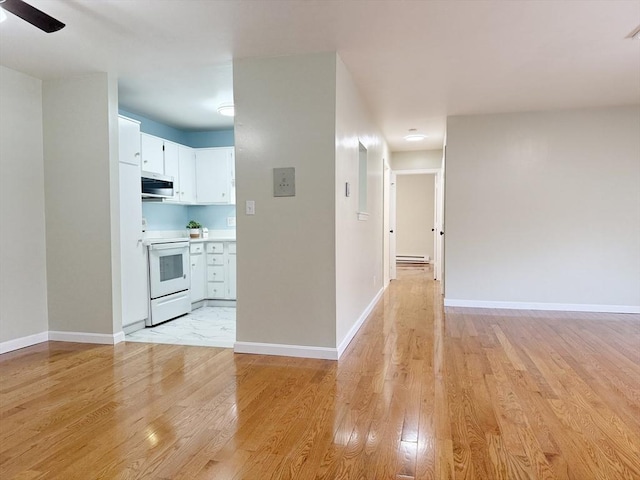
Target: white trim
point(22, 342)
point(352, 332)
point(418, 171)
point(324, 353)
point(561, 307)
point(83, 337)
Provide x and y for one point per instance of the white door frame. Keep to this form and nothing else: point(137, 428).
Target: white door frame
point(392, 226)
point(385, 223)
point(437, 219)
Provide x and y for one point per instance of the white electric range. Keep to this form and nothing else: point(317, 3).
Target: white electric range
point(169, 279)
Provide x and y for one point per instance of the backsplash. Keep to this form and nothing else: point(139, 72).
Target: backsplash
point(165, 216)
point(214, 217)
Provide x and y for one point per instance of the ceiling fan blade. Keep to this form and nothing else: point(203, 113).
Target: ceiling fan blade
point(32, 15)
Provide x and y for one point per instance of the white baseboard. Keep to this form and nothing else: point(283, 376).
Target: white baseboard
point(352, 332)
point(560, 307)
point(83, 337)
point(301, 351)
point(324, 353)
point(23, 342)
point(78, 337)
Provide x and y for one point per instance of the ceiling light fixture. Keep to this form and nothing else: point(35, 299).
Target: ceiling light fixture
point(3, 16)
point(414, 136)
point(228, 110)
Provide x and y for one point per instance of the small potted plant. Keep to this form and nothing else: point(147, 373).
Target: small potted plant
point(194, 229)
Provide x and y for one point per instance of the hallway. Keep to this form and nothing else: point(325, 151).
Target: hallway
point(417, 395)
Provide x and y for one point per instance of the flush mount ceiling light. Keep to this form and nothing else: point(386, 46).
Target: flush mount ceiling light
point(414, 136)
point(3, 16)
point(228, 110)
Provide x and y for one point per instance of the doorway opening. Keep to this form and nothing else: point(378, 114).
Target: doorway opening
point(416, 219)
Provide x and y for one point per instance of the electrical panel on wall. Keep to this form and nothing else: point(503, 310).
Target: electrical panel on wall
point(284, 182)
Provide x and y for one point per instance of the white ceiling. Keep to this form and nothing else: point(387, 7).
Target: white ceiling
point(415, 62)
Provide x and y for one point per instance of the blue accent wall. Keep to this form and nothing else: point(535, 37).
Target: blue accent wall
point(214, 217)
point(212, 138)
point(204, 139)
point(158, 129)
point(165, 216)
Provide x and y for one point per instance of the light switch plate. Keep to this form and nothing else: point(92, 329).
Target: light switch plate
point(284, 182)
point(250, 207)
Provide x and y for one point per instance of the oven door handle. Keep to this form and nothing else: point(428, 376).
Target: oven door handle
point(170, 246)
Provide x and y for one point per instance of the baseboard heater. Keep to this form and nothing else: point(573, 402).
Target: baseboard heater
point(412, 259)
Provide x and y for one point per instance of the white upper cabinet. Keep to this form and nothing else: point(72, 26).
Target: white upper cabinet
point(214, 175)
point(187, 168)
point(129, 141)
point(152, 153)
point(172, 167)
point(200, 175)
point(232, 177)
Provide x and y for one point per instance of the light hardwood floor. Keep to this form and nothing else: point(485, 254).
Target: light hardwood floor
point(419, 394)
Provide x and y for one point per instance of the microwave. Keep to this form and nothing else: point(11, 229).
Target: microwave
point(155, 185)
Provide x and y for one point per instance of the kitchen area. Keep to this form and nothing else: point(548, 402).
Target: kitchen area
point(177, 232)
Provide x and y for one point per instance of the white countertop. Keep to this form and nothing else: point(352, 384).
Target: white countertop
point(214, 239)
point(173, 235)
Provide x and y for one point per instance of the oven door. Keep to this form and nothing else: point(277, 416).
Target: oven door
point(168, 268)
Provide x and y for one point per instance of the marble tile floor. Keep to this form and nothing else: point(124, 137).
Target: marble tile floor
point(206, 327)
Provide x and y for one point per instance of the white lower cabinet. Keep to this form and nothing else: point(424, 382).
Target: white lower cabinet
point(221, 270)
point(231, 281)
point(198, 272)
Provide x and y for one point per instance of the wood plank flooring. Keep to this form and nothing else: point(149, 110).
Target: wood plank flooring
point(419, 394)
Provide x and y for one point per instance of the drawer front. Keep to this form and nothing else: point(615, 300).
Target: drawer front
point(196, 248)
point(215, 274)
point(232, 247)
point(215, 247)
point(213, 259)
point(215, 290)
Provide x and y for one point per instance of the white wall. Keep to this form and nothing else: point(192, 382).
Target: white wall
point(416, 160)
point(544, 208)
point(414, 214)
point(359, 244)
point(285, 117)
point(23, 288)
point(80, 165)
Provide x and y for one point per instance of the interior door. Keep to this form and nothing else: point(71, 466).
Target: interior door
point(392, 227)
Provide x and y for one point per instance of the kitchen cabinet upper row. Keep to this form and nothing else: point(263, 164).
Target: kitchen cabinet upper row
point(215, 180)
point(200, 175)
